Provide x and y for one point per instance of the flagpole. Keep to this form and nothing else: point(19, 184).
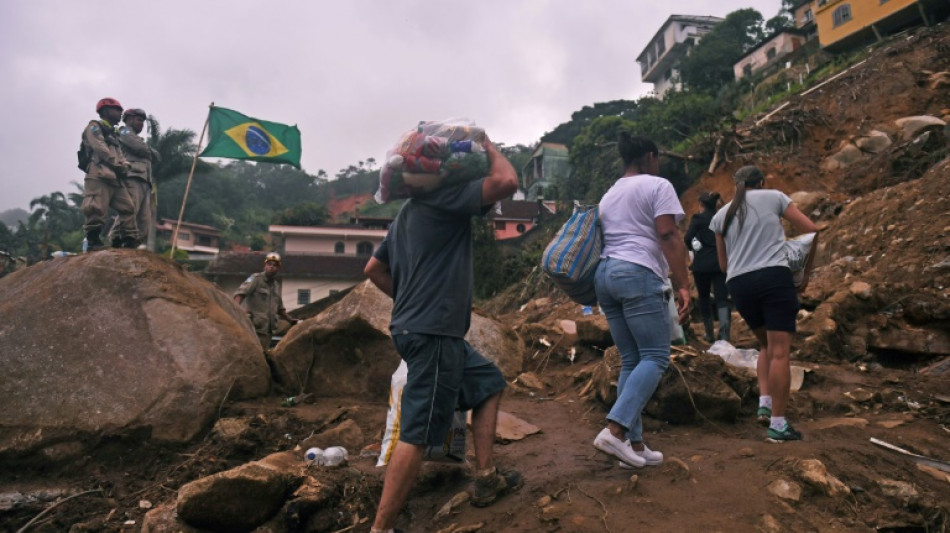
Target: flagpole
point(194, 162)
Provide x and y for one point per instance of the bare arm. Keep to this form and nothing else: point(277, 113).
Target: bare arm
point(239, 299)
point(799, 221)
point(378, 273)
point(721, 252)
point(674, 250)
point(502, 180)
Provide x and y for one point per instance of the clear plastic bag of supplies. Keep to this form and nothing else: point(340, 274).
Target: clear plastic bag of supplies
point(431, 156)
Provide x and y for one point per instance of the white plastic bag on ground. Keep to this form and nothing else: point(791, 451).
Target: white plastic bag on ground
point(748, 359)
point(453, 449)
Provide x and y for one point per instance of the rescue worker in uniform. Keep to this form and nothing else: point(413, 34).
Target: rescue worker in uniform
point(139, 182)
point(260, 296)
point(102, 187)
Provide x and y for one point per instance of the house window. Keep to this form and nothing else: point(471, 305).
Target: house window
point(770, 53)
point(842, 14)
point(338, 248)
point(520, 228)
point(184, 236)
point(809, 15)
point(500, 225)
point(303, 296)
point(204, 240)
point(747, 69)
point(364, 248)
point(822, 2)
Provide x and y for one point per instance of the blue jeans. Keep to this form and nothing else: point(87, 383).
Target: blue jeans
point(631, 297)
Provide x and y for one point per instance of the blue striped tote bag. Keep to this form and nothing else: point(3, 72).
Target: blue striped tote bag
point(570, 260)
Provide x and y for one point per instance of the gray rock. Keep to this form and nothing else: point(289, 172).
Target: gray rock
point(911, 127)
point(118, 342)
point(874, 142)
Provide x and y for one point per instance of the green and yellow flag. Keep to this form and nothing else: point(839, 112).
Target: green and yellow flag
point(238, 136)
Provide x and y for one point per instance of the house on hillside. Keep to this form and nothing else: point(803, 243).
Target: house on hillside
point(200, 241)
point(846, 24)
point(662, 55)
point(513, 218)
point(321, 260)
point(771, 51)
point(549, 165)
point(803, 15)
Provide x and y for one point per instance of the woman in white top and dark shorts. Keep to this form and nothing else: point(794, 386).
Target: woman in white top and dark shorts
point(751, 244)
point(641, 244)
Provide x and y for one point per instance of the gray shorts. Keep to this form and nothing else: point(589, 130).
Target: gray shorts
point(444, 373)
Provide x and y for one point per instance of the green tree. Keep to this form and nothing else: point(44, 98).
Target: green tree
point(304, 214)
point(709, 64)
point(53, 217)
point(566, 132)
point(595, 162)
point(176, 150)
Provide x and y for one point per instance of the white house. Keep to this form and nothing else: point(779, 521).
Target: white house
point(661, 57)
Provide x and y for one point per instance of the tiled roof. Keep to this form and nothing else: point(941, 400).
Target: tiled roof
point(169, 225)
point(514, 210)
point(294, 265)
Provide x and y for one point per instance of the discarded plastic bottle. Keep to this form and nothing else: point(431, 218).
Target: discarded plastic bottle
point(85, 245)
point(587, 310)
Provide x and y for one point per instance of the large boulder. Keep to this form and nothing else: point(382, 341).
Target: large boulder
point(117, 343)
point(346, 350)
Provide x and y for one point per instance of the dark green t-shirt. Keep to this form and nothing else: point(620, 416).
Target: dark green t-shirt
point(429, 253)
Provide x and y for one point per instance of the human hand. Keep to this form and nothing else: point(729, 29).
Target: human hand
point(683, 305)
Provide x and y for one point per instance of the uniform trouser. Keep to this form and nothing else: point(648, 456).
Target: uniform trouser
point(141, 191)
point(264, 339)
point(98, 196)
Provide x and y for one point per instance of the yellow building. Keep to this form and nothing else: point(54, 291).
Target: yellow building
point(845, 24)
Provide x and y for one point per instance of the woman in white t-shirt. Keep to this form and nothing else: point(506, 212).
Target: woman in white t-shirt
point(641, 244)
point(751, 245)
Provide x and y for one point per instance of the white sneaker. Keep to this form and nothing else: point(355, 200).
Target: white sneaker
point(650, 457)
point(620, 449)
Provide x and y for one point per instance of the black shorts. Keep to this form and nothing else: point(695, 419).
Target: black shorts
point(766, 298)
point(444, 373)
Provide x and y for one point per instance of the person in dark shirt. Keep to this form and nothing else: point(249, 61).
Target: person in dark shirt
point(425, 264)
point(706, 274)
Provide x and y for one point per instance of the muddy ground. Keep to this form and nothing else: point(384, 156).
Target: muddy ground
point(716, 476)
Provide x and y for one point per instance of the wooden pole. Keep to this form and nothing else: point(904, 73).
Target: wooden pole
point(194, 162)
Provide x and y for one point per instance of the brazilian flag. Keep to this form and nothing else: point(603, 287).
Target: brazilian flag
point(238, 136)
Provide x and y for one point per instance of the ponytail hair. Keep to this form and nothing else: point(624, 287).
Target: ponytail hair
point(633, 150)
point(749, 175)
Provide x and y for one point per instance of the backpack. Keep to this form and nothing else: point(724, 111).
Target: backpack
point(571, 258)
point(84, 156)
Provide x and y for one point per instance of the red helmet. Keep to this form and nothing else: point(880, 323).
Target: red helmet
point(107, 102)
point(134, 112)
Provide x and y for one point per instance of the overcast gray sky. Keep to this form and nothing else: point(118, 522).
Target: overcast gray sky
point(352, 74)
